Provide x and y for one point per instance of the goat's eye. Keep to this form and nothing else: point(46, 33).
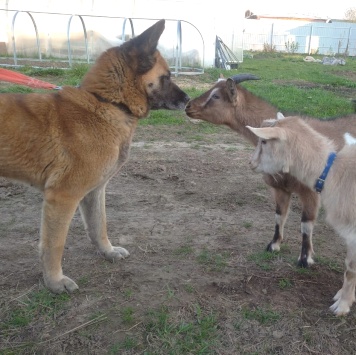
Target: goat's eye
point(263, 141)
point(216, 96)
point(150, 85)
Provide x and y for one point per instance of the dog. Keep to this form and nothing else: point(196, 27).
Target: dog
point(68, 144)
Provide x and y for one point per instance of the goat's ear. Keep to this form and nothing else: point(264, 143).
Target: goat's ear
point(349, 139)
point(221, 77)
point(269, 132)
point(280, 116)
point(231, 90)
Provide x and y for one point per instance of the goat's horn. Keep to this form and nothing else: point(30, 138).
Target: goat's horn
point(239, 78)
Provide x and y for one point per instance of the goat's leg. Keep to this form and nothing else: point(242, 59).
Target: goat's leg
point(282, 199)
point(310, 208)
point(345, 297)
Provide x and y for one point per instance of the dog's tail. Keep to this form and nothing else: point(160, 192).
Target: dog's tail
point(18, 78)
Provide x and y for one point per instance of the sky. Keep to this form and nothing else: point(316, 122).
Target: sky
point(323, 9)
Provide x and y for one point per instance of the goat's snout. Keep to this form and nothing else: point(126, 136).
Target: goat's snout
point(254, 162)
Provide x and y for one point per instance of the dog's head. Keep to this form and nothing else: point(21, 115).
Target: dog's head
point(152, 70)
point(136, 75)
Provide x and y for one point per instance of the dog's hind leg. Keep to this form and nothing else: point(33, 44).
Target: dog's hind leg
point(92, 208)
point(57, 213)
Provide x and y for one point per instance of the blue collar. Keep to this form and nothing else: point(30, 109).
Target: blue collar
point(319, 185)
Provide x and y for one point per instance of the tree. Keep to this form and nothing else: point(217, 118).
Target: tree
point(350, 14)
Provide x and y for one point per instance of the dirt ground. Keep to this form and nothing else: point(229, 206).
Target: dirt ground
point(196, 222)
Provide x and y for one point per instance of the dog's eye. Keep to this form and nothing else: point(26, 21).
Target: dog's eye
point(263, 141)
point(150, 85)
point(216, 96)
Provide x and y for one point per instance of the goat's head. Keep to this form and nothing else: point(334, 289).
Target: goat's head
point(271, 155)
point(218, 104)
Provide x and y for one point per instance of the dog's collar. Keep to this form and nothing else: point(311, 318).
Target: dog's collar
point(119, 105)
point(319, 185)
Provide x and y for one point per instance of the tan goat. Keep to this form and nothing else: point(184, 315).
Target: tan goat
point(291, 146)
point(230, 104)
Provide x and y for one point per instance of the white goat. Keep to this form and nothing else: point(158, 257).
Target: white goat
point(291, 146)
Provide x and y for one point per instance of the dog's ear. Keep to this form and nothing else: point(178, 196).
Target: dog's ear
point(141, 49)
point(151, 36)
point(147, 41)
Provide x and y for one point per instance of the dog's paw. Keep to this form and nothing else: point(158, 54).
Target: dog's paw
point(65, 284)
point(116, 253)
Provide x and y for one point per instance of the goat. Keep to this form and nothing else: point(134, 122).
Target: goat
point(230, 104)
point(290, 145)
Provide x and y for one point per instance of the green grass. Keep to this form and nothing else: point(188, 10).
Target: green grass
point(36, 304)
point(285, 283)
point(333, 264)
point(247, 224)
point(159, 117)
point(264, 259)
point(292, 85)
point(211, 260)
point(16, 89)
point(263, 316)
point(129, 343)
point(195, 334)
point(183, 251)
point(127, 315)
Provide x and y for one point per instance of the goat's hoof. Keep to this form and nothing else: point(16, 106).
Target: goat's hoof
point(272, 246)
point(303, 263)
point(340, 308)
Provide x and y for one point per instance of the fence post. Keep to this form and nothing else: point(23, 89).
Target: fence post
point(178, 60)
point(348, 41)
point(124, 28)
point(310, 37)
point(85, 39)
point(272, 28)
point(13, 36)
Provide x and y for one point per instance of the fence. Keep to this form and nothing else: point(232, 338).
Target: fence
point(45, 38)
point(66, 38)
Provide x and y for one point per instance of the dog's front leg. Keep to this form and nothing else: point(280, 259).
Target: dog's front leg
point(57, 213)
point(92, 208)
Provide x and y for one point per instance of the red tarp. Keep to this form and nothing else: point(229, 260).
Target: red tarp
point(17, 78)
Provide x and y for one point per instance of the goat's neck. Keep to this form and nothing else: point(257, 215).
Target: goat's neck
point(251, 111)
point(308, 160)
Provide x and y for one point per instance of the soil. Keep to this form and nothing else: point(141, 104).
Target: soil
point(196, 222)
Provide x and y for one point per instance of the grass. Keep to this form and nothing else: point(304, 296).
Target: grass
point(196, 335)
point(285, 80)
point(35, 304)
point(264, 259)
point(333, 264)
point(212, 260)
point(263, 316)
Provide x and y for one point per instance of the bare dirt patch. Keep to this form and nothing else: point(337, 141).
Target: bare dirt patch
point(196, 222)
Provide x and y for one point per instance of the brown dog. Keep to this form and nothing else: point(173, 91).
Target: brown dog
point(70, 143)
